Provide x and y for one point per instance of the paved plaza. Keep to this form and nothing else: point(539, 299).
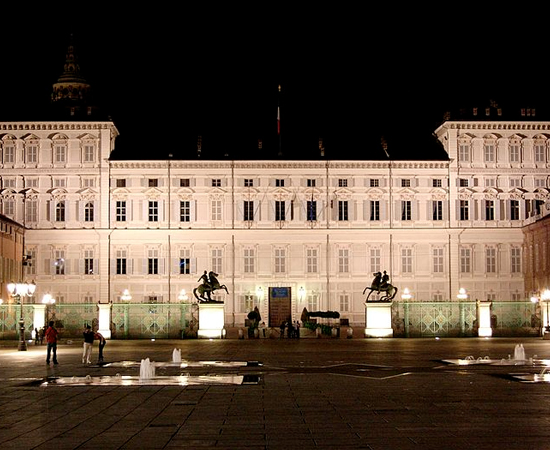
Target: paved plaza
point(279, 394)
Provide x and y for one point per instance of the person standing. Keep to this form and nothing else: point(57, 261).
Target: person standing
point(102, 341)
point(88, 343)
point(51, 340)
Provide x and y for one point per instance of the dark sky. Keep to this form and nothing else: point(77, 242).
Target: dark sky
point(348, 74)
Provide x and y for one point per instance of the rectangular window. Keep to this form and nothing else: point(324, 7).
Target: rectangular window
point(279, 210)
point(280, 260)
point(344, 302)
point(121, 211)
point(185, 211)
point(489, 152)
point(343, 210)
point(374, 182)
point(406, 260)
point(465, 260)
point(312, 260)
point(490, 260)
point(121, 264)
point(405, 182)
point(375, 210)
point(9, 154)
point(464, 152)
point(248, 182)
point(31, 210)
point(153, 211)
point(185, 266)
point(59, 154)
point(311, 210)
point(153, 182)
point(184, 182)
point(248, 210)
point(540, 153)
point(463, 182)
point(514, 209)
point(312, 302)
point(464, 210)
point(310, 182)
point(343, 260)
point(437, 210)
point(152, 266)
point(247, 303)
point(437, 254)
point(217, 210)
point(515, 265)
point(489, 210)
point(216, 260)
point(406, 213)
point(374, 260)
point(32, 154)
point(437, 182)
point(120, 182)
point(514, 153)
point(59, 262)
point(249, 259)
point(89, 153)
point(279, 182)
point(216, 182)
point(342, 182)
point(88, 262)
point(60, 211)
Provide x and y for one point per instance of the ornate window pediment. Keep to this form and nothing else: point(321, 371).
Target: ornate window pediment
point(184, 191)
point(87, 193)
point(407, 192)
point(153, 193)
point(57, 193)
point(59, 137)
point(541, 193)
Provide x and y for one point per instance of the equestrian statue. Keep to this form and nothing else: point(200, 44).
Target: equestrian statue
point(209, 284)
point(380, 283)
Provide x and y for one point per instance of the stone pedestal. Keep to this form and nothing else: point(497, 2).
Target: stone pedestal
point(484, 319)
point(39, 316)
point(378, 319)
point(104, 319)
point(211, 321)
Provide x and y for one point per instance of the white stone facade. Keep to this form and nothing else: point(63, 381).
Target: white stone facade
point(97, 226)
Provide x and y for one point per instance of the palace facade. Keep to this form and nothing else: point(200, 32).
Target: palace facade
point(311, 231)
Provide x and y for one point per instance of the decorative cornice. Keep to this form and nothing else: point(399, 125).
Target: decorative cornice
point(251, 164)
point(542, 126)
point(48, 126)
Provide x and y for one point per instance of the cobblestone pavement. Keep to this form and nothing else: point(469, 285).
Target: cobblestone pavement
point(279, 394)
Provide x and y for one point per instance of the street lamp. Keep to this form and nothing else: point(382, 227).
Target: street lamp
point(183, 297)
point(18, 291)
point(406, 295)
point(48, 300)
point(462, 295)
point(126, 295)
point(545, 297)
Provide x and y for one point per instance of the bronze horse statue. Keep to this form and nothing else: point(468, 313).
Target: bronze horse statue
point(209, 285)
point(380, 284)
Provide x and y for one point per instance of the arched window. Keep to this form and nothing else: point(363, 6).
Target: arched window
point(89, 212)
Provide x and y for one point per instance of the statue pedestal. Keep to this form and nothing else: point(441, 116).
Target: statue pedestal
point(211, 321)
point(484, 317)
point(378, 319)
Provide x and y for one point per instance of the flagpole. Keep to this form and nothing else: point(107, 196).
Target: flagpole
point(279, 120)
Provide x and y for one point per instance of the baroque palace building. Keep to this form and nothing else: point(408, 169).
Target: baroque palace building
point(310, 231)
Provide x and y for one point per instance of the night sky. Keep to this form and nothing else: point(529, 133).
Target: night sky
point(348, 74)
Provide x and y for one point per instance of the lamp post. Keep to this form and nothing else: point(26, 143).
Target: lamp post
point(406, 295)
point(462, 295)
point(545, 297)
point(18, 291)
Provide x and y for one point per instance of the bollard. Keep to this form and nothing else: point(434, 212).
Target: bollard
point(350, 332)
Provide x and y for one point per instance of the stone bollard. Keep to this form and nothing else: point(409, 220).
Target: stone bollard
point(318, 332)
point(350, 333)
point(241, 334)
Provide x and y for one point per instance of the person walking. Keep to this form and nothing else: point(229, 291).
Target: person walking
point(102, 341)
point(51, 340)
point(88, 343)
